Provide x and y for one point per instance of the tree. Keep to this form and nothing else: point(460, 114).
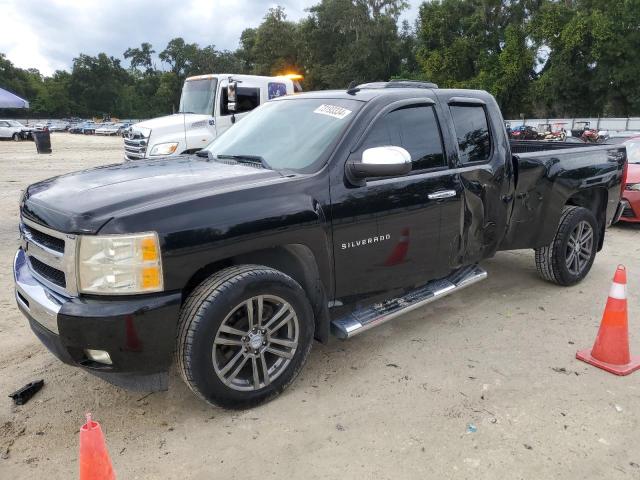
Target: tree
point(589, 66)
point(345, 41)
point(479, 44)
point(179, 55)
point(141, 57)
point(274, 46)
point(96, 84)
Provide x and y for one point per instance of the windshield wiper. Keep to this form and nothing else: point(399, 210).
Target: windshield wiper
point(246, 159)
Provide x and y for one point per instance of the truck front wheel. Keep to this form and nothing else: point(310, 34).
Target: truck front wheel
point(569, 257)
point(244, 335)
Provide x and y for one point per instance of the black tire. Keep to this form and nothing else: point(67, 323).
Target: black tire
point(16, 137)
point(551, 260)
point(210, 305)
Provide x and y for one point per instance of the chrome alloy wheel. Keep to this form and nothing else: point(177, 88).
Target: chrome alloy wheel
point(255, 343)
point(579, 248)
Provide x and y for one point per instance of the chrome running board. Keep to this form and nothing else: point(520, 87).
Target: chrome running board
point(362, 320)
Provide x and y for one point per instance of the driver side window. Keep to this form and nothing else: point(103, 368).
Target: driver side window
point(246, 100)
point(414, 128)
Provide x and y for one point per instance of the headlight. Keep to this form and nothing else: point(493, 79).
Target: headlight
point(633, 186)
point(120, 264)
point(164, 149)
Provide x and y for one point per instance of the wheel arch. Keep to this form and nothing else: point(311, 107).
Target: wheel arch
point(594, 200)
point(295, 260)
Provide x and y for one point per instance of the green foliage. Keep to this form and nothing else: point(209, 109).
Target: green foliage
point(538, 57)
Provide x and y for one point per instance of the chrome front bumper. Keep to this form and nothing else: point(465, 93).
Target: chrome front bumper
point(34, 299)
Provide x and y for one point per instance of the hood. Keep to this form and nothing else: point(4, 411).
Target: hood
point(633, 173)
point(171, 122)
point(82, 202)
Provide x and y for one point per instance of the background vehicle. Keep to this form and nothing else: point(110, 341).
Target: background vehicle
point(57, 126)
point(321, 212)
point(110, 129)
point(556, 132)
point(524, 132)
point(631, 194)
point(14, 130)
point(86, 128)
point(584, 131)
point(204, 113)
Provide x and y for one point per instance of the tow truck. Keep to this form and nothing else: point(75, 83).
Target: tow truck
point(204, 113)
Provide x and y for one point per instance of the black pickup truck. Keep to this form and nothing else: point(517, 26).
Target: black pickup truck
point(319, 213)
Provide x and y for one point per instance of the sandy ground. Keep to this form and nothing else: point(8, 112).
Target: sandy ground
point(395, 402)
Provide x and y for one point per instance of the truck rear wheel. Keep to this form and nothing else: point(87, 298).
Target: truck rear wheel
point(570, 255)
point(244, 335)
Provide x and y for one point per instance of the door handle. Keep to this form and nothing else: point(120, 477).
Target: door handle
point(442, 194)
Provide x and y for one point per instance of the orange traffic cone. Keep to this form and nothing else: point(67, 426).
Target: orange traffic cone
point(95, 463)
point(611, 349)
point(400, 250)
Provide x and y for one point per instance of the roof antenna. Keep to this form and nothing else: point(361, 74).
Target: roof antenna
point(352, 89)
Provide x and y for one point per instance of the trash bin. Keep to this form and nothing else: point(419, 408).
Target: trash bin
point(43, 140)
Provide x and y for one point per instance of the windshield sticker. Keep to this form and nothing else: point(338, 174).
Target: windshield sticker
point(332, 110)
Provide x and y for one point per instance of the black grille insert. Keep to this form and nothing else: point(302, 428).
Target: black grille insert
point(54, 275)
point(41, 238)
point(628, 212)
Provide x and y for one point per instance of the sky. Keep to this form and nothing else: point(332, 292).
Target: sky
point(48, 34)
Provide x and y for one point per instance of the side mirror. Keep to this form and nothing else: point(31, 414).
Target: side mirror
point(232, 88)
point(380, 162)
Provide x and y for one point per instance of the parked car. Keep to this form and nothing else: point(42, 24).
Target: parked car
point(14, 130)
point(524, 132)
point(108, 129)
point(57, 126)
point(124, 128)
point(319, 213)
point(86, 128)
point(631, 194)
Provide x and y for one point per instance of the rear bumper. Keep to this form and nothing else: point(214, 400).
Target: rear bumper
point(138, 332)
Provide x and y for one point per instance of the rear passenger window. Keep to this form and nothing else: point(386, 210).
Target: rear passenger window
point(472, 131)
point(414, 128)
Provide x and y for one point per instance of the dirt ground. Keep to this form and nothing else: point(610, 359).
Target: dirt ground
point(400, 401)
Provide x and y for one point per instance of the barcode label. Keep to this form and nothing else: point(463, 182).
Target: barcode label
point(332, 110)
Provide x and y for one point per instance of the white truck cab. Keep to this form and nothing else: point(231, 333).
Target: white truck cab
point(205, 112)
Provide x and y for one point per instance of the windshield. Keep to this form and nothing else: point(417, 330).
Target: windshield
point(288, 134)
point(633, 150)
point(198, 96)
point(13, 123)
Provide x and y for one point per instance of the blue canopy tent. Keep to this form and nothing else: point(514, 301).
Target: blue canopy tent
point(9, 100)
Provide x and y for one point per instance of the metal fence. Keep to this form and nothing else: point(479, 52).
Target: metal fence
point(611, 124)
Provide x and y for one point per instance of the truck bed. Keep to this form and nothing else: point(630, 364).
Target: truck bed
point(550, 175)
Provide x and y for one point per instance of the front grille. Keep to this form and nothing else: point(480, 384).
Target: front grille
point(41, 238)
point(54, 275)
point(52, 256)
point(135, 145)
